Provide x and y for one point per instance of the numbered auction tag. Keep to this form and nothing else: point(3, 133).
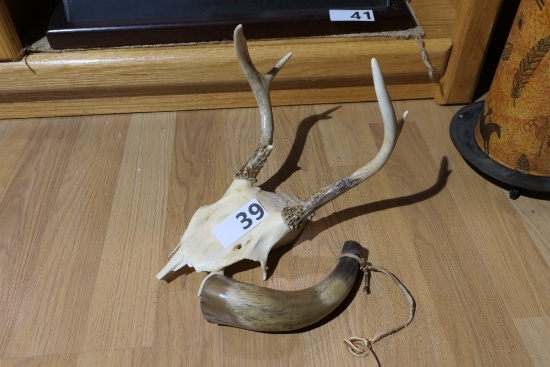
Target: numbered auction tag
point(240, 222)
point(351, 15)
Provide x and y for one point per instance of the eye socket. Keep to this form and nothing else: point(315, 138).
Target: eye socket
point(238, 247)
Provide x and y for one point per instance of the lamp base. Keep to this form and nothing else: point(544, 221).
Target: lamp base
point(462, 131)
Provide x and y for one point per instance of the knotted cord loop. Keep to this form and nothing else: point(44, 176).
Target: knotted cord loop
point(358, 347)
point(362, 347)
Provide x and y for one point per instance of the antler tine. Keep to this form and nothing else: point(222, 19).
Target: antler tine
point(260, 87)
point(293, 216)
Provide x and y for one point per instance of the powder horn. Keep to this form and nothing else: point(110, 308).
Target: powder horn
point(226, 301)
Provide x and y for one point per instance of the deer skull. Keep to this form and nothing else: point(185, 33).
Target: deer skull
point(266, 220)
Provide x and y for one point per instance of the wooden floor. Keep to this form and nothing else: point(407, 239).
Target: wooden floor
point(90, 207)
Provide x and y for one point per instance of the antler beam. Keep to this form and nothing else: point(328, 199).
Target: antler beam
point(294, 215)
point(260, 84)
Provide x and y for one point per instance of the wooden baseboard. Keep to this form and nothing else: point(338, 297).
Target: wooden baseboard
point(198, 101)
point(322, 70)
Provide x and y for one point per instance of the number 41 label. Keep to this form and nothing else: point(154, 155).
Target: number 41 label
point(351, 15)
point(240, 222)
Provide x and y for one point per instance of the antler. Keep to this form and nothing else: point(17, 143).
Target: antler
point(294, 215)
point(247, 222)
point(260, 87)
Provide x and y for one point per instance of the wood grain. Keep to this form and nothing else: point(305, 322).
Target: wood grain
point(206, 100)
point(166, 78)
point(470, 42)
point(91, 206)
point(455, 3)
point(10, 45)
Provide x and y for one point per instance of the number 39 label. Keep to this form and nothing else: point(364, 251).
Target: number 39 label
point(351, 15)
point(240, 223)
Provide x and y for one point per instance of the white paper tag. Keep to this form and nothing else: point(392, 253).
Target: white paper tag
point(240, 222)
point(351, 15)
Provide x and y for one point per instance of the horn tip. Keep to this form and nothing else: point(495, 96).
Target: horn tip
point(352, 247)
point(238, 31)
point(376, 72)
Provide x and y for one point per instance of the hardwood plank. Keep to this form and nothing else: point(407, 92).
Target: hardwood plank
point(194, 162)
point(67, 360)
point(52, 308)
point(83, 232)
point(365, 214)
point(138, 357)
point(34, 159)
point(500, 239)
point(535, 332)
point(452, 253)
point(512, 254)
point(535, 217)
point(122, 311)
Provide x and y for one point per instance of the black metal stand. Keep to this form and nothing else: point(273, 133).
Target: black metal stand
point(462, 131)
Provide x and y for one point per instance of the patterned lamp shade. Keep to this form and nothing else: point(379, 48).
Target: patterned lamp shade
point(514, 127)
